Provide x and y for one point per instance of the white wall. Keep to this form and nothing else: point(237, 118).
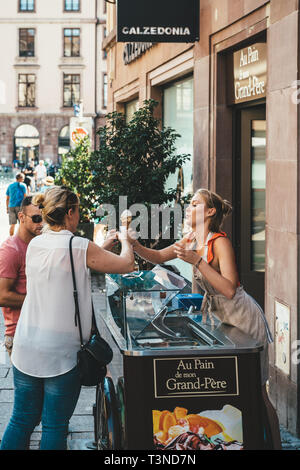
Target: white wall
point(49, 20)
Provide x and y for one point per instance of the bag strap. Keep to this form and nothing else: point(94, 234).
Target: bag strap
point(75, 293)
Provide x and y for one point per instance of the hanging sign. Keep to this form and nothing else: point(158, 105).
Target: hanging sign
point(248, 67)
point(158, 21)
point(80, 128)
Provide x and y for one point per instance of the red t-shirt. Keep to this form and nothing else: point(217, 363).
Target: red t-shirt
point(12, 266)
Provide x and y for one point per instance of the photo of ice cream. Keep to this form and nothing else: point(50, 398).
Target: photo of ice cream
point(207, 430)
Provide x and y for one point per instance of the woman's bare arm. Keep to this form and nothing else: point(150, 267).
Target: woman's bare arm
point(104, 261)
point(154, 256)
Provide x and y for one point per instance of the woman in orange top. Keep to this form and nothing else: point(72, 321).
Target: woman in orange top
point(211, 253)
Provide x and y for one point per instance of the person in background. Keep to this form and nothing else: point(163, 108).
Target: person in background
point(41, 173)
point(210, 252)
point(12, 267)
point(48, 182)
point(44, 357)
point(15, 194)
point(29, 172)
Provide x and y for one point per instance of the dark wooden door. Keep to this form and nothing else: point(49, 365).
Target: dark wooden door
point(250, 199)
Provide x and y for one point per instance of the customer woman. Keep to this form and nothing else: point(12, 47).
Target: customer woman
point(46, 342)
point(209, 250)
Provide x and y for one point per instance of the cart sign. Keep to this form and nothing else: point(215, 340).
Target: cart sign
point(195, 377)
point(158, 20)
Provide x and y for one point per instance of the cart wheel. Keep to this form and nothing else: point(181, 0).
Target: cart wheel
point(108, 427)
point(121, 407)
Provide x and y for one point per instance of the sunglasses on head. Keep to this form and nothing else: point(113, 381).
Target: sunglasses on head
point(36, 219)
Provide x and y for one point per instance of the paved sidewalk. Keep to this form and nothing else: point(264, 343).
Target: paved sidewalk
point(81, 424)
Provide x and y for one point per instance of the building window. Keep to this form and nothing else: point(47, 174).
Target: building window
point(26, 42)
point(130, 108)
point(71, 89)
point(178, 108)
point(72, 5)
point(72, 42)
point(104, 54)
point(26, 93)
point(105, 90)
point(26, 5)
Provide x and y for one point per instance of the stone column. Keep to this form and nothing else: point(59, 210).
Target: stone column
point(282, 197)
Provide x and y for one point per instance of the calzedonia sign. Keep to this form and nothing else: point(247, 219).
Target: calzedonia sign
point(158, 20)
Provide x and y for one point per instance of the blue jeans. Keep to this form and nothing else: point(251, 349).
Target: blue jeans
point(51, 400)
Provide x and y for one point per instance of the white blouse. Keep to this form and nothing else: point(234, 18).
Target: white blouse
point(46, 339)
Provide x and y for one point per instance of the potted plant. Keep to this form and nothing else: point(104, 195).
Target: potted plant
point(135, 159)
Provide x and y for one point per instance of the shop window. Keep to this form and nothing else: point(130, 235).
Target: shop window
point(130, 108)
point(26, 90)
point(26, 42)
point(71, 90)
point(26, 5)
point(178, 114)
point(71, 42)
point(72, 5)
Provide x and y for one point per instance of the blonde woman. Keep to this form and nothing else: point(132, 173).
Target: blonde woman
point(46, 342)
point(210, 251)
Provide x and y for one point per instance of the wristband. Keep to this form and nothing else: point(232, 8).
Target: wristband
point(198, 262)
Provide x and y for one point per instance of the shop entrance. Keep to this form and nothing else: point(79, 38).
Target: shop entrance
point(250, 199)
point(26, 145)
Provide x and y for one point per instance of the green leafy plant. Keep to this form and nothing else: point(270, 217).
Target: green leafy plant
point(135, 159)
point(76, 173)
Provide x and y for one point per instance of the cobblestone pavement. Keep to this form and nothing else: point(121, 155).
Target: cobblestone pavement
point(81, 429)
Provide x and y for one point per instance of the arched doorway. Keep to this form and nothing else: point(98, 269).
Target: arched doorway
point(26, 145)
point(63, 142)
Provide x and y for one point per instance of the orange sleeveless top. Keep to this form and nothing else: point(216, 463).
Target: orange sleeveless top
point(210, 252)
point(210, 243)
point(210, 255)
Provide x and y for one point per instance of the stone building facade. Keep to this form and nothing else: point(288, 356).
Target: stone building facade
point(233, 96)
point(51, 61)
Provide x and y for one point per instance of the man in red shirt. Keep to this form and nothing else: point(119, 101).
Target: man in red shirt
point(12, 267)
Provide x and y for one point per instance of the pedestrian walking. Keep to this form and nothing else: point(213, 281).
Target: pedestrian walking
point(14, 196)
point(210, 252)
point(40, 173)
point(44, 357)
point(12, 267)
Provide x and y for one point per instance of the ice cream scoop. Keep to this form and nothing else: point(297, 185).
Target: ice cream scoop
point(126, 218)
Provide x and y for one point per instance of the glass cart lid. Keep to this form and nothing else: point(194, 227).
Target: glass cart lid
point(159, 279)
point(137, 298)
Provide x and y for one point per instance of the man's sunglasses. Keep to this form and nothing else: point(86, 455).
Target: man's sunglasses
point(36, 219)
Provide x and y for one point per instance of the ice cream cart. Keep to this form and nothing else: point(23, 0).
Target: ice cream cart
point(177, 382)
